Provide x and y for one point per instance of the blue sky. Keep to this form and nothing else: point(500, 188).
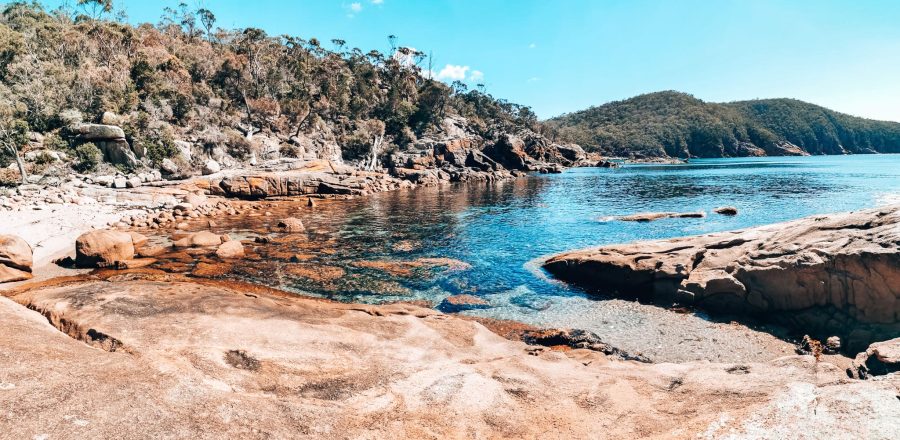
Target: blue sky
point(561, 56)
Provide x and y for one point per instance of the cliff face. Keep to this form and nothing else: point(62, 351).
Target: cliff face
point(679, 125)
point(826, 275)
point(138, 354)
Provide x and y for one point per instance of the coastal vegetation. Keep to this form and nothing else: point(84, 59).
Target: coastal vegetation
point(187, 79)
point(679, 125)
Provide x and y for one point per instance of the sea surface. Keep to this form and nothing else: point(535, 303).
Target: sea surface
point(498, 230)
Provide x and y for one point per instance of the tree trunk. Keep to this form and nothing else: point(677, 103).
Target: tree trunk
point(373, 158)
point(21, 165)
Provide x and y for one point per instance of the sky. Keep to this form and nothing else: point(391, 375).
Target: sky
point(566, 55)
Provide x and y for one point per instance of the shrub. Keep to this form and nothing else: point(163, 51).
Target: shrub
point(87, 157)
point(290, 150)
point(54, 141)
point(9, 177)
point(239, 146)
point(161, 149)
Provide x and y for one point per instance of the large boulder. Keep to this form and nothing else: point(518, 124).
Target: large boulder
point(826, 275)
point(15, 259)
point(100, 132)
point(103, 248)
point(572, 152)
point(111, 141)
point(508, 151)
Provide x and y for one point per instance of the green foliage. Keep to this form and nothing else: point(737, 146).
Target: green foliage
point(87, 157)
point(169, 73)
point(160, 149)
point(679, 125)
point(56, 142)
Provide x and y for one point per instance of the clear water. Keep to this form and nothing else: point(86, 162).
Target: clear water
point(499, 228)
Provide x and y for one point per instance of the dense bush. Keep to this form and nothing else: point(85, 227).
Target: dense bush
point(87, 157)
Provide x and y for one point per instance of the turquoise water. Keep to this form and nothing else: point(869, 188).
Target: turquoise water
point(497, 229)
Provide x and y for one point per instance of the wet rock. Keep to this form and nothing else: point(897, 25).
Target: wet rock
point(651, 216)
point(230, 249)
point(290, 224)
point(726, 210)
point(15, 259)
point(199, 239)
point(458, 303)
point(103, 248)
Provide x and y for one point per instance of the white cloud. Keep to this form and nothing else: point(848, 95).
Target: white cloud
point(377, 2)
point(476, 76)
point(533, 79)
point(453, 72)
point(532, 45)
point(356, 6)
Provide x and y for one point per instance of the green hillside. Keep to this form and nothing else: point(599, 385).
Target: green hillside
point(677, 124)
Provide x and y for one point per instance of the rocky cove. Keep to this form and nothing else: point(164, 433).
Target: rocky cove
point(428, 291)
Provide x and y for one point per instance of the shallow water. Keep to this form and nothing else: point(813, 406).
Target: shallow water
point(499, 228)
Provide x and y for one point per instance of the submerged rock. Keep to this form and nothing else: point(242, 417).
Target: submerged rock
point(726, 210)
point(651, 216)
point(458, 303)
point(830, 275)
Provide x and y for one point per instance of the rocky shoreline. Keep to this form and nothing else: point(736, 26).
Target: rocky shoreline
point(257, 355)
point(205, 359)
point(830, 275)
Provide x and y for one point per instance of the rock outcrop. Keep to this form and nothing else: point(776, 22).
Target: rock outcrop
point(879, 359)
point(174, 358)
point(15, 259)
point(825, 275)
point(103, 248)
point(111, 141)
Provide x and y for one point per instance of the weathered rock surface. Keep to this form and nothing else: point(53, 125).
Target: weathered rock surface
point(103, 248)
point(230, 249)
point(879, 359)
point(826, 275)
point(177, 359)
point(199, 239)
point(15, 259)
point(111, 141)
point(290, 224)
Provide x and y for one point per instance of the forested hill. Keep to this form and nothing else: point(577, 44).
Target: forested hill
point(678, 125)
point(235, 94)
